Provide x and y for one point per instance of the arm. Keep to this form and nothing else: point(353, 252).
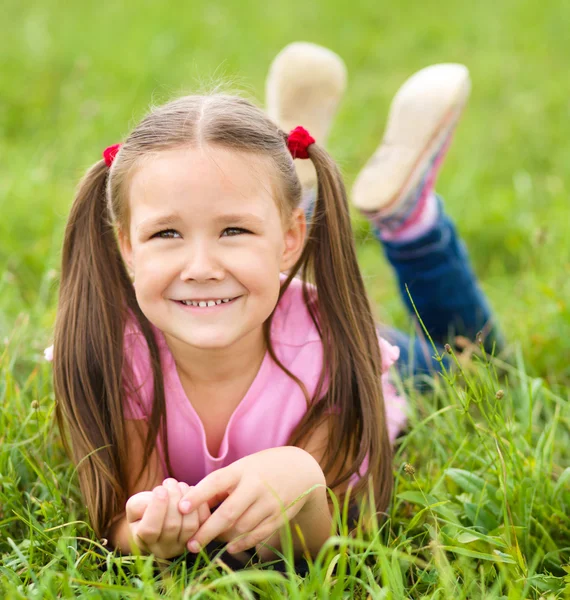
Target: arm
point(315, 522)
point(260, 493)
point(315, 518)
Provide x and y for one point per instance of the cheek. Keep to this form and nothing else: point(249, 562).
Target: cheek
point(261, 268)
point(146, 258)
point(259, 257)
point(266, 285)
point(150, 270)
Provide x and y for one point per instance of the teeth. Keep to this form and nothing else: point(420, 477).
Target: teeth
point(204, 303)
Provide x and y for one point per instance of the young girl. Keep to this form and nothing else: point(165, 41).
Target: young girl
point(192, 368)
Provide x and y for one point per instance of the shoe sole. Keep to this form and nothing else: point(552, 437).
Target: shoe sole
point(415, 130)
point(304, 87)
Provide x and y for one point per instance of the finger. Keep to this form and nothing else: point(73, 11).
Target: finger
point(150, 526)
point(203, 509)
point(248, 522)
point(184, 487)
point(190, 525)
point(261, 533)
point(265, 530)
point(223, 518)
point(136, 505)
point(218, 483)
point(173, 519)
point(203, 513)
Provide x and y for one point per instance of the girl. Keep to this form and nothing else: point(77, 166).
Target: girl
point(211, 364)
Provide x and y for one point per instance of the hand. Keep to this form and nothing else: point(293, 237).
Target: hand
point(155, 522)
point(258, 493)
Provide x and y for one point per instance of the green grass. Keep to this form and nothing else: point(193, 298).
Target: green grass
point(487, 511)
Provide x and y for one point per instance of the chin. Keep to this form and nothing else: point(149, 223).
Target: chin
point(210, 341)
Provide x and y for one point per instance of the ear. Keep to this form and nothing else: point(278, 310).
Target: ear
point(125, 248)
point(294, 238)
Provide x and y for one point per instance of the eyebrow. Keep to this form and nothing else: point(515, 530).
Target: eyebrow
point(162, 221)
point(169, 220)
point(237, 218)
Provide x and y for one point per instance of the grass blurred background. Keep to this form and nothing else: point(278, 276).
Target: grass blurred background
point(75, 77)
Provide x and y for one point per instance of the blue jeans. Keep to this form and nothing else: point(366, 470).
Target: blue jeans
point(436, 270)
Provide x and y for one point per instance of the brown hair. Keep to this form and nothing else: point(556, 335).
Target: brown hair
point(96, 295)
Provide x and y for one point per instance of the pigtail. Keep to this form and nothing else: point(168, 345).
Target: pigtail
point(95, 293)
point(350, 344)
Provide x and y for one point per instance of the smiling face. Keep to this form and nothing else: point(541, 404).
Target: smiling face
point(206, 243)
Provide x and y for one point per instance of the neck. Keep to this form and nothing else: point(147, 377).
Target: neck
point(207, 367)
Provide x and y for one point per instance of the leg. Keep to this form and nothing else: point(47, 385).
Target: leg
point(304, 87)
point(436, 270)
point(395, 192)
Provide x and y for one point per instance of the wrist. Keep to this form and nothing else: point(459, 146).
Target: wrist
point(121, 537)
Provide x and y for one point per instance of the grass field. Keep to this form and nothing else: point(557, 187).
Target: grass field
point(487, 511)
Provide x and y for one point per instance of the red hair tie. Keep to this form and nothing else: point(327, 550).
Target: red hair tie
point(298, 141)
point(110, 153)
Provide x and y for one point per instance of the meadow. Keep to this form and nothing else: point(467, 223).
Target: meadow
point(481, 506)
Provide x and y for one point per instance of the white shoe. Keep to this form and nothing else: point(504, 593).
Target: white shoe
point(304, 87)
point(422, 118)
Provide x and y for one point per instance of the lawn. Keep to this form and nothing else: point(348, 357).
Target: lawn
point(483, 509)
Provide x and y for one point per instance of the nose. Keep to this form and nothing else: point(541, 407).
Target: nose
point(201, 263)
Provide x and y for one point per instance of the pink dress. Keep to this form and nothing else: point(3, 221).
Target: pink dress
point(269, 411)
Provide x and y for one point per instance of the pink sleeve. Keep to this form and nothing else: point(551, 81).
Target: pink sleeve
point(390, 354)
point(394, 404)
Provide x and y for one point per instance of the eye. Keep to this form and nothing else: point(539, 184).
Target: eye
point(165, 234)
point(232, 231)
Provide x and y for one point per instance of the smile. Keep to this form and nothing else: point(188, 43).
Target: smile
point(206, 303)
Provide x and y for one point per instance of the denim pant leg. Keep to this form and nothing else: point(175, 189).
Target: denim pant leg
point(438, 274)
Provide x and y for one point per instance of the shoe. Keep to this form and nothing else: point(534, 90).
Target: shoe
point(304, 87)
point(421, 122)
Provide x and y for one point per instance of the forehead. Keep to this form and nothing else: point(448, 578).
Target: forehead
point(201, 182)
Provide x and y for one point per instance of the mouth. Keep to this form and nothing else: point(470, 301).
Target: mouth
point(207, 303)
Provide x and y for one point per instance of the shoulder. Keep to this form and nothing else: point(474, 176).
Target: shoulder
point(134, 341)
point(137, 374)
point(292, 323)
point(135, 346)
point(137, 359)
